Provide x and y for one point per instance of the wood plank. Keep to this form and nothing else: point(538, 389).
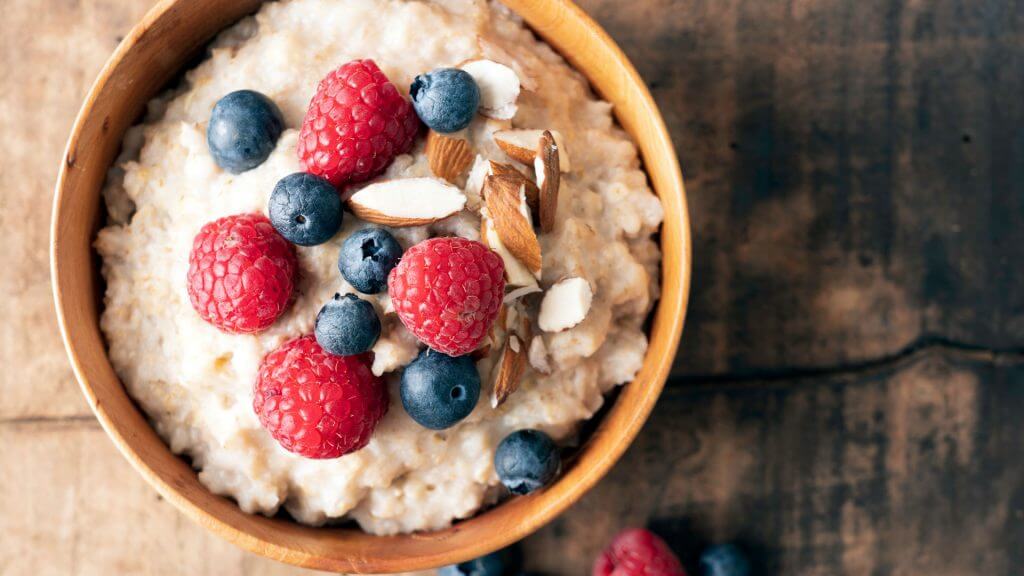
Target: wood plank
point(854, 172)
point(50, 56)
point(73, 506)
point(912, 469)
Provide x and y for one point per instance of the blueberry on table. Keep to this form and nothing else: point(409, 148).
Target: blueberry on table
point(440, 390)
point(490, 565)
point(305, 209)
point(243, 130)
point(445, 99)
point(367, 257)
point(527, 460)
point(724, 560)
point(347, 325)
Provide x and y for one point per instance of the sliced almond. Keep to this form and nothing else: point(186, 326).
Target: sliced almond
point(475, 183)
point(531, 189)
point(516, 273)
point(538, 356)
point(548, 180)
point(521, 146)
point(449, 157)
point(499, 87)
point(407, 202)
point(565, 305)
point(509, 370)
point(518, 293)
point(506, 203)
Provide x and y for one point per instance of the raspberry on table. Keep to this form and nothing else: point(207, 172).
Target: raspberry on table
point(356, 124)
point(241, 273)
point(447, 292)
point(638, 552)
point(316, 404)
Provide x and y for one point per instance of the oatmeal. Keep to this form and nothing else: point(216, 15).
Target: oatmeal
point(196, 382)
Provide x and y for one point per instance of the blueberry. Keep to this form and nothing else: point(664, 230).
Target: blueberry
point(490, 565)
point(347, 325)
point(305, 209)
point(366, 258)
point(445, 99)
point(527, 460)
point(724, 560)
point(439, 390)
point(243, 130)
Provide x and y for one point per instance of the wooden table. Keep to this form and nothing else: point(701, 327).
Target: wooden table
point(849, 395)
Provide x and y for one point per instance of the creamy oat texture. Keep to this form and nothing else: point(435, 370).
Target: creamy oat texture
point(195, 383)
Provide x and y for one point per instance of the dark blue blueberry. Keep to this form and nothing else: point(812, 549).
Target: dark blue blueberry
point(366, 258)
point(439, 390)
point(724, 560)
point(243, 130)
point(490, 565)
point(527, 460)
point(305, 209)
point(347, 325)
point(445, 99)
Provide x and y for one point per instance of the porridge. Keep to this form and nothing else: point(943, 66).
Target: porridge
point(547, 193)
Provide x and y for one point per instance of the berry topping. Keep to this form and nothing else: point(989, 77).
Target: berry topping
point(724, 560)
point(356, 124)
point(527, 460)
point(366, 258)
point(305, 209)
point(440, 390)
point(447, 292)
point(243, 130)
point(316, 404)
point(241, 273)
point(347, 325)
point(445, 99)
point(637, 552)
point(490, 565)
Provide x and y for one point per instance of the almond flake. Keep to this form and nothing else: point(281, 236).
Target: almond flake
point(516, 273)
point(531, 189)
point(548, 180)
point(538, 356)
point(510, 369)
point(522, 145)
point(407, 202)
point(506, 203)
point(499, 88)
point(565, 305)
point(518, 293)
point(449, 156)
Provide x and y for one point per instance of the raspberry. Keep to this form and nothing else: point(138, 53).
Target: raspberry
point(637, 552)
point(316, 404)
point(356, 124)
point(241, 273)
point(447, 292)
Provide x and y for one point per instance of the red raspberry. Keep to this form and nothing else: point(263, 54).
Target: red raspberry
point(637, 552)
point(356, 124)
point(316, 404)
point(241, 273)
point(447, 292)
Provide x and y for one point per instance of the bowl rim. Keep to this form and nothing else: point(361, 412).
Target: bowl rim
point(345, 550)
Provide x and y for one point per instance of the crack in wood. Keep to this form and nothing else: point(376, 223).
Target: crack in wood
point(920, 348)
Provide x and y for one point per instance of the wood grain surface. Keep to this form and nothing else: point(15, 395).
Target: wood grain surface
point(849, 388)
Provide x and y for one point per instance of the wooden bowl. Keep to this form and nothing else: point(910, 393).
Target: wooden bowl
point(156, 50)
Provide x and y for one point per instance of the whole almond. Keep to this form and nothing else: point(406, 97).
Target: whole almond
point(509, 370)
point(548, 180)
point(506, 203)
point(449, 157)
point(531, 189)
